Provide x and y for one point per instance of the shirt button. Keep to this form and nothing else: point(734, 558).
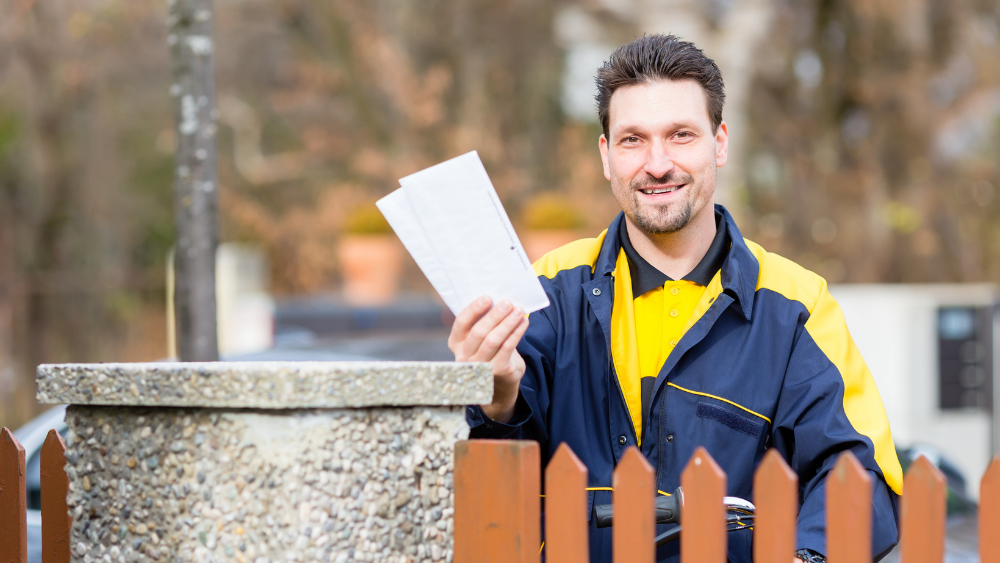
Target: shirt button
point(673, 343)
point(670, 437)
point(622, 440)
point(675, 290)
point(674, 313)
point(596, 291)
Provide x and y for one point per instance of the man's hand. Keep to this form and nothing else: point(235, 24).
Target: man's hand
point(484, 334)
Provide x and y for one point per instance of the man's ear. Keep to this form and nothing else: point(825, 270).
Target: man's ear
point(721, 145)
point(602, 144)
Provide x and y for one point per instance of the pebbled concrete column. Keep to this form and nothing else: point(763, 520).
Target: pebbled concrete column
point(263, 462)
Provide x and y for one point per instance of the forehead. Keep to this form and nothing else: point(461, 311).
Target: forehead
point(659, 103)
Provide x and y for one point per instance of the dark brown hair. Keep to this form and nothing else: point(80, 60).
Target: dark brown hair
point(659, 57)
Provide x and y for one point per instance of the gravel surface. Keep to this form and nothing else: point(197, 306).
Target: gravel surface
point(332, 485)
point(267, 384)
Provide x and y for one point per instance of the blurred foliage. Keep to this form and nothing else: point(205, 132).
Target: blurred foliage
point(874, 140)
point(367, 220)
point(8, 130)
point(551, 212)
point(328, 104)
point(84, 226)
point(871, 138)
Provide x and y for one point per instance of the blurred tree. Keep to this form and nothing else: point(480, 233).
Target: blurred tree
point(874, 133)
point(196, 201)
point(362, 93)
point(84, 96)
point(871, 134)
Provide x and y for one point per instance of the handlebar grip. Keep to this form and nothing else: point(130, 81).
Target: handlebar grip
point(603, 515)
point(668, 511)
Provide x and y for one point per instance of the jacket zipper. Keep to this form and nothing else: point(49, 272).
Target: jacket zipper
point(621, 394)
point(614, 374)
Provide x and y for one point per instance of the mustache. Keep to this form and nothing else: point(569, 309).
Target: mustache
point(650, 182)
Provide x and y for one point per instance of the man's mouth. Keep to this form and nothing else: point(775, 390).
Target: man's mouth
point(663, 190)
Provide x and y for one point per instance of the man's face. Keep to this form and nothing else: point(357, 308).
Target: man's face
point(662, 154)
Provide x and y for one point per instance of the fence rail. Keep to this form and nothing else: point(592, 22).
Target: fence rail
point(498, 507)
point(489, 535)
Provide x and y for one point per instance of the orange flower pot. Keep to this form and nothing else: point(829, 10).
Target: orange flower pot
point(371, 267)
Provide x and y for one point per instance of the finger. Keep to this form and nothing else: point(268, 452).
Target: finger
point(506, 362)
point(463, 322)
point(514, 339)
point(496, 337)
point(474, 339)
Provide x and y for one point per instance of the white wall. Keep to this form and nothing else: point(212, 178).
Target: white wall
point(894, 326)
point(244, 308)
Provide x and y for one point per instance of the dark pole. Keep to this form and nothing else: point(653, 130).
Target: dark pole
point(195, 178)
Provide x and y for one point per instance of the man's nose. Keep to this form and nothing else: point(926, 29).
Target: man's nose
point(659, 162)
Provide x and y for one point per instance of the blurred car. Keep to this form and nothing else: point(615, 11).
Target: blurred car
point(961, 544)
point(959, 501)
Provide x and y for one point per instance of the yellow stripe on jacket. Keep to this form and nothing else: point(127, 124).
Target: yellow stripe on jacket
point(583, 252)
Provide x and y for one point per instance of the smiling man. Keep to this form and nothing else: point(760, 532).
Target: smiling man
point(670, 331)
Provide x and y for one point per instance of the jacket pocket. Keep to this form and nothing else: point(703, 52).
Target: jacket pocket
point(735, 421)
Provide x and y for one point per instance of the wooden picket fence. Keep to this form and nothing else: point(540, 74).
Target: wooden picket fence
point(498, 509)
point(56, 520)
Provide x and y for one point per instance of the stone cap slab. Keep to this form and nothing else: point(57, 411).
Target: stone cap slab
point(267, 385)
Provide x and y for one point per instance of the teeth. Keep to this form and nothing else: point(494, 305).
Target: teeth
point(659, 191)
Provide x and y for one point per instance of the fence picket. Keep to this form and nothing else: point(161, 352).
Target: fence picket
point(704, 515)
point(13, 501)
point(566, 538)
point(848, 512)
point(634, 500)
point(497, 504)
point(56, 520)
point(776, 495)
point(923, 513)
point(989, 514)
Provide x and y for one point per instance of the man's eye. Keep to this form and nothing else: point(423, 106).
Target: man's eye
point(683, 135)
point(631, 139)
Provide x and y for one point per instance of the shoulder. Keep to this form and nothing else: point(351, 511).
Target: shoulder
point(786, 278)
point(583, 252)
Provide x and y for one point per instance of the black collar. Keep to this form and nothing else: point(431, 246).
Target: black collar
point(646, 277)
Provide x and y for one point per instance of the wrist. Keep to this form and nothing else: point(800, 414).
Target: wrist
point(504, 401)
point(809, 556)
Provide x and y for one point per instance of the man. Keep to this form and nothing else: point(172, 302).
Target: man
point(669, 331)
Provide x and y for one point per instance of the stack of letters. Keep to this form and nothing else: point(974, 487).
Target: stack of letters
point(451, 221)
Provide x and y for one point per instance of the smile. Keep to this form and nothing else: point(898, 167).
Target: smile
point(666, 190)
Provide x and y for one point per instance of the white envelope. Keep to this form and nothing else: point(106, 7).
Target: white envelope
point(451, 221)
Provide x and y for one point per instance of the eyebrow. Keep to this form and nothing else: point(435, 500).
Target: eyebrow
point(637, 128)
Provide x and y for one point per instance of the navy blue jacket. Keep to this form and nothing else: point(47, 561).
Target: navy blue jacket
point(768, 364)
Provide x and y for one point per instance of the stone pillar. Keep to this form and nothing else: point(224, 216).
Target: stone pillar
point(263, 462)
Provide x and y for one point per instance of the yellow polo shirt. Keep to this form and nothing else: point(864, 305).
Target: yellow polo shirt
point(652, 313)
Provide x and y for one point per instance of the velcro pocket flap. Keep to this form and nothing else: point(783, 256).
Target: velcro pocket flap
point(737, 422)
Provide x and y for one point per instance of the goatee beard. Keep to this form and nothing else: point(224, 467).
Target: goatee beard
point(661, 220)
point(665, 222)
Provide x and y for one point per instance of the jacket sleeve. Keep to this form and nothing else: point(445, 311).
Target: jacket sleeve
point(537, 347)
point(828, 405)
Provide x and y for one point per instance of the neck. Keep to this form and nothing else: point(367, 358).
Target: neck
point(676, 254)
